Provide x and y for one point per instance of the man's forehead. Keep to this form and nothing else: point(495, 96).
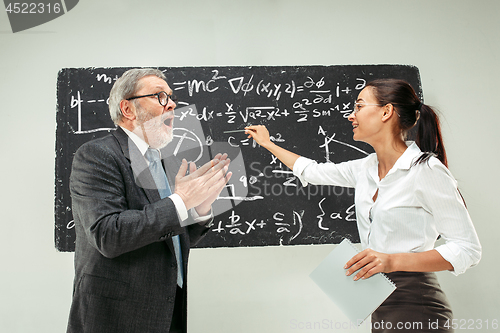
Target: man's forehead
point(153, 82)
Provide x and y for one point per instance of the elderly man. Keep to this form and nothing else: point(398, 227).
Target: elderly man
point(136, 215)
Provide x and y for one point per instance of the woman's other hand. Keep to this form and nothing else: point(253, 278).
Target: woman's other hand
point(369, 262)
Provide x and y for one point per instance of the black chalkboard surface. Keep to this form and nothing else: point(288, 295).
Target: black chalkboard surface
point(305, 109)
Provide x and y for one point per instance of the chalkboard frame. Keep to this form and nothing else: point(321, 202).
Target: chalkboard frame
point(244, 95)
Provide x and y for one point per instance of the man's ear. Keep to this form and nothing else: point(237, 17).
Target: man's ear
point(128, 109)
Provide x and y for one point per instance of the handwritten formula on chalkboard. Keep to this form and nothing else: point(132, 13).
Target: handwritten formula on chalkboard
point(305, 110)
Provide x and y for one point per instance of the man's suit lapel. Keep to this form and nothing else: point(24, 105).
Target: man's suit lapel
point(171, 167)
point(142, 174)
point(139, 167)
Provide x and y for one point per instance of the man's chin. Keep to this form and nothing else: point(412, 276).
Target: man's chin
point(163, 143)
point(156, 136)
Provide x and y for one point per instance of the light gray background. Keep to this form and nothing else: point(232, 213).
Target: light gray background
point(454, 43)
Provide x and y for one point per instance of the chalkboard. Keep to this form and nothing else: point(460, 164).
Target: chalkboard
point(305, 109)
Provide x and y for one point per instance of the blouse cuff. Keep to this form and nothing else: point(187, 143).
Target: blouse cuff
point(451, 253)
point(298, 168)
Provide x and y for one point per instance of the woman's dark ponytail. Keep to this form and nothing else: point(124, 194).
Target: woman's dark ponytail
point(428, 136)
point(414, 115)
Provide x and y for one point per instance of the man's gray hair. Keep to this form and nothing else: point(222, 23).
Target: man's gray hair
point(125, 87)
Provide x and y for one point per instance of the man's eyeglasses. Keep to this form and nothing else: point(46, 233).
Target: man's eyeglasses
point(162, 97)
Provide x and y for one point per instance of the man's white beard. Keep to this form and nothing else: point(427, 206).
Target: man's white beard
point(151, 129)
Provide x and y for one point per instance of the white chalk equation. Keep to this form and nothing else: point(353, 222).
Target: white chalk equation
point(312, 98)
point(233, 196)
point(286, 227)
point(331, 138)
point(81, 106)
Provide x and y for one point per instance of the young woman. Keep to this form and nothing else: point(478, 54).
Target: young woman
point(405, 199)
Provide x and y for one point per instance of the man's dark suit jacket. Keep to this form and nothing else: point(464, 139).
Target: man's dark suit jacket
point(125, 266)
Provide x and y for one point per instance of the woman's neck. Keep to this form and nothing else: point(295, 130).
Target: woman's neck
point(388, 152)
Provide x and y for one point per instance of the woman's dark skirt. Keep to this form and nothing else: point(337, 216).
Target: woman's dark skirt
point(417, 305)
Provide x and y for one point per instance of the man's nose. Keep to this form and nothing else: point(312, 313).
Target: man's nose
point(170, 105)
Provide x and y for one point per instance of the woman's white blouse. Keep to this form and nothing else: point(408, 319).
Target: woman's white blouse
point(415, 204)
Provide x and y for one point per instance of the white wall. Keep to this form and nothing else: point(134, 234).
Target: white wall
point(454, 43)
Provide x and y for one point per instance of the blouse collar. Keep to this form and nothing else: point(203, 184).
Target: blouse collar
point(404, 162)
